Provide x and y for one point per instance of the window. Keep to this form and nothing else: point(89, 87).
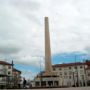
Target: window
point(70, 73)
point(70, 77)
point(37, 83)
point(88, 74)
point(75, 67)
point(69, 67)
point(9, 67)
point(65, 73)
point(81, 71)
point(82, 77)
point(60, 73)
point(60, 68)
point(80, 66)
point(54, 69)
point(9, 72)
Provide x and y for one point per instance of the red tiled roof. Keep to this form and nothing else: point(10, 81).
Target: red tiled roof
point(68, 64)
point(88, 63)
point(4, 63)
point(14, 69)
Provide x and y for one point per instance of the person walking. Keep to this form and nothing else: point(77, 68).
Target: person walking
point(24, 83)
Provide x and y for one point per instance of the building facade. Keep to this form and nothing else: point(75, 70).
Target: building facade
point(7, 75)
point(17, 77)
point(88, 72)
point(65, 75)
point(71, 74)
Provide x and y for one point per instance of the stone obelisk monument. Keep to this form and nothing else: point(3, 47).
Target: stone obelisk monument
point(48, 65)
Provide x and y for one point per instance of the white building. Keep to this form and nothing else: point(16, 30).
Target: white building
point(68, 74)
point(88, 72)
point(7, 73)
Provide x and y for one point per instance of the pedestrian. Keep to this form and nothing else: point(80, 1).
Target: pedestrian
point(24, 83)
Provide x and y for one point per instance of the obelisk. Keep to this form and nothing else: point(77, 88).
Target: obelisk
point(48, 65)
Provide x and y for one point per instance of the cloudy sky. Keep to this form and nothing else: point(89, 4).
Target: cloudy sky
point(22, 32)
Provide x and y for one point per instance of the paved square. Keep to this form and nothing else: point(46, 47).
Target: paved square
point(77, 88)
point(71, 88)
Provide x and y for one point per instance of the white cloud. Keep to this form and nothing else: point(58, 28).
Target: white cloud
point(22, 27)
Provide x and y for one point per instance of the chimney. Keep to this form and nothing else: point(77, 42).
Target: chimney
point(48, 65)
